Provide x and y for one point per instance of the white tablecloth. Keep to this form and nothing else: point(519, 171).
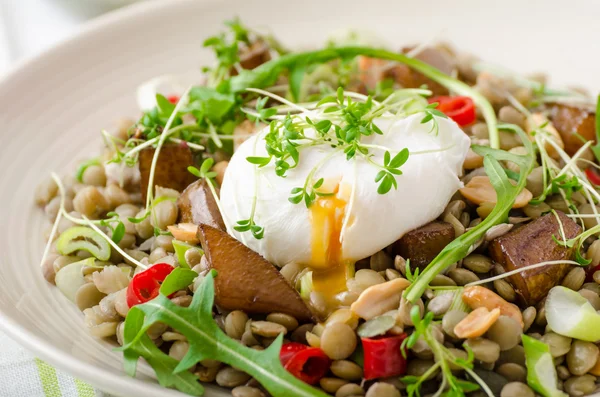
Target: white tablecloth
point(26, 28)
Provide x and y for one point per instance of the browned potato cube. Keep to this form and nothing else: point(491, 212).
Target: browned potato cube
point(531, 244)
point(425, 243)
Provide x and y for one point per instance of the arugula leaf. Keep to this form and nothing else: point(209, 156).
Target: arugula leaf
point(163, 364)
point(207, 341)
point(506, 194)
point(207, 102)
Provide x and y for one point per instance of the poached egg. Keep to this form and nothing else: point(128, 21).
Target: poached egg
point(356, 221)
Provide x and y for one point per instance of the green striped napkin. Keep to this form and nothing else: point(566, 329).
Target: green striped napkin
point(23, 375)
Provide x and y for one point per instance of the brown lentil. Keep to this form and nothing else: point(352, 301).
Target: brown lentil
point(347, 370)
point(382, 389)
point(484, 350)
point(205, 374)
point(450, 320)
point(529, 315)
point(313, 340)
point(45, 191)
point(582, 357)
point(516, 389)
point(392, 274)
point(515, 355)
point(267, 329)
point(442, 281)
point(534, 211)
point(562, 372)
point(299, 334)
point(331, 385)
point(88, 296)
point(338, 341)
point(367, 278)
point(559, 345)
point(418, 367)
point(440, 304)
point(164, 214)
point(591, 297)
point(462, 276)
point(350, 390)
point(192, 256)
point(506, 332)
point(505, 290)
point(400, 264)
point(231, 377)
point(478, 263)
point(513, 372)
point(247, 391)
point(90, 202)
point(235, 324)
point(574, 279)
point(577, 386)
point(406, 307)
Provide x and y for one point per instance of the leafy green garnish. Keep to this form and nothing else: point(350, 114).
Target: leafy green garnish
point(178, 279)
point(506, 194)
point(207, 341)
point(164, 366)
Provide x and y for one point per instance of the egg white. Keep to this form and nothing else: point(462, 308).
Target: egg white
point(373, 221)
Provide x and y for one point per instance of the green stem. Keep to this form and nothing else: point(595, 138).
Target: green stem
point(267, 73)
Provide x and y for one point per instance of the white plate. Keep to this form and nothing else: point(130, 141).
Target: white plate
point(53, 107)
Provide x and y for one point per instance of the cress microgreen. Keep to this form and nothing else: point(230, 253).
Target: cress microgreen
point(430, 116)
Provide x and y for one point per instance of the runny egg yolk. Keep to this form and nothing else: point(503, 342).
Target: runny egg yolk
point(330, 271)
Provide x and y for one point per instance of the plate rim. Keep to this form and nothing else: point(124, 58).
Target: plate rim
point(73, 366)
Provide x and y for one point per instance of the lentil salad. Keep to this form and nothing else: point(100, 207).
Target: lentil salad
point(455, 306)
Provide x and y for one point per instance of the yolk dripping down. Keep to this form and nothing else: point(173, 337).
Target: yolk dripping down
point(330, 271)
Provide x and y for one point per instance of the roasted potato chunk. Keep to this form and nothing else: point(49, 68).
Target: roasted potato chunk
point(245, 280)
point(531, 244)
point(198, 206)
point(171, 169)
point(425, 243)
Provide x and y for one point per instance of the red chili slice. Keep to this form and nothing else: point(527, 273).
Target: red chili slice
point(592, 176)
point(383, 357)
point(309, 364)
point(145, 286)
point(173, 98)
point(461, 109)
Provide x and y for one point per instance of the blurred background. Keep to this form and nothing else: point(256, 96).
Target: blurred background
point(30, 26)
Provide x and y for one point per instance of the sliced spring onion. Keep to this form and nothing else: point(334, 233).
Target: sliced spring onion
point(70, 278)
point(181, 248)
point(541, 373)
point(83, 238)
point(570, 314)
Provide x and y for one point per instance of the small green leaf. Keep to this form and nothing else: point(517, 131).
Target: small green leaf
point(180, 278)
point(118, 233)
point(318, 184)
point(206, 166)
point(386, 158)
point(194, 171)
point(399, 159)
point(260, 161)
